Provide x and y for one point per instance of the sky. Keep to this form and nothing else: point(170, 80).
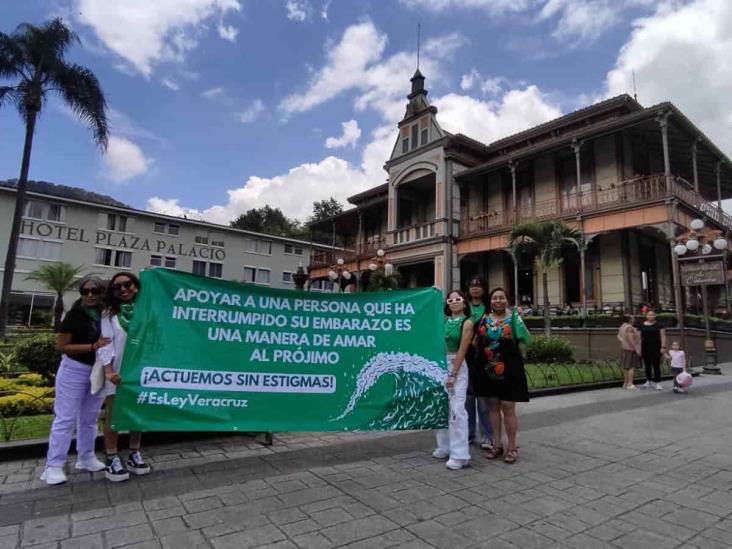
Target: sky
point(220, 106)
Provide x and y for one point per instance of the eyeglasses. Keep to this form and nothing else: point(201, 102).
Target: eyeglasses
point(454, 300)
point(127, 285)
point(90, 291)
point(475, 283)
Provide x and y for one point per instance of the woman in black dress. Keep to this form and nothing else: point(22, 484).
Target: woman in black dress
point(500, 333)
point(653, 345)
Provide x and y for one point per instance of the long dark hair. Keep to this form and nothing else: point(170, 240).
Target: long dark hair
point(113, 303)
point(483, 283)
point(466, 301)
point(98, 283)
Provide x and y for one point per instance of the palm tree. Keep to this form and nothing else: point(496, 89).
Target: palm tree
point(60, 278)
point(546, 240)
point(33, 59)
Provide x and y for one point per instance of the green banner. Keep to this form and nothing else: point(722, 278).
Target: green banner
point(210, 355)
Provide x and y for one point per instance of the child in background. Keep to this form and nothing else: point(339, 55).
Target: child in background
point(678, 364)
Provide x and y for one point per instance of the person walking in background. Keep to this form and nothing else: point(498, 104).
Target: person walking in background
point(630, 350)
point(452, 442)
point(678, 364)
point(475, 403)
point(500, 333)
point(75, 408)
point(121, 294)
point(653, 345)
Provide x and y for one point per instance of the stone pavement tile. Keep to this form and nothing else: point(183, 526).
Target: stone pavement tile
point(567, 521)
point(168, 526)
point(717, 534)
point(312, 541)
point(160, 503)
point(526, 539)
point(684, 516)
point(92, 541)
point(9, 536)
point(189, 540)
point(294, 529)
point(610, 530)
point(126, 536)
point(161, 514)
point(462, 515)
point(252, 537)
point(331, 517)
point(355, 530)
point(286, 516)
point(358, 510)
point(396, 538)
point(642, 539)
point(376, 500)
point(583, 541)
point(514, 513)
point(544, 506)
point(439, 536)
point(703, 542)
point(115, 521)
point(485, 527)
point(550, 530)
point(330, 503)
point(309, 495)
point(661, 527)
point(46, 529)
point(233, 524)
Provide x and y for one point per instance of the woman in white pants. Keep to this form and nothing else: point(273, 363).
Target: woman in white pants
point(452, 443)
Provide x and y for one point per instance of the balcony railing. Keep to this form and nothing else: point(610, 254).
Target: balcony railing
point(415, 232)
point(633, 191)
point(367, 250)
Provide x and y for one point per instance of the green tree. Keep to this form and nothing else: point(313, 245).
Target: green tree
point(546, 240)
point(268, 220)
point(324, 209)
point(33, 64)
point(59, 278)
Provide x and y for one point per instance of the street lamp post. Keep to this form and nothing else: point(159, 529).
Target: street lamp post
point(340, 275)
point(300, 277)
point(699, 267)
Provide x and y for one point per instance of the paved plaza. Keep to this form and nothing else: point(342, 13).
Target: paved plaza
point(597, 469)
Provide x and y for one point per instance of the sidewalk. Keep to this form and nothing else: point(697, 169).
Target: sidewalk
point(602, 468)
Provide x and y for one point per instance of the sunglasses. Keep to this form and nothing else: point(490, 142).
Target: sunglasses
point(475, 284)
point(90, 291)
point(127, 285)
point(454, 300)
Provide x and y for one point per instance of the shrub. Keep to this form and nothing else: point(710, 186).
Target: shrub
point(32, 401)
point(549, 349)
point(32, 380)
point(38, 354)
point(8, 362)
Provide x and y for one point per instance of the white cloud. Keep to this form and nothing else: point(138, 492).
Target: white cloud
point(489, 86)
point(228, 32)
point(124, 160)
point(252, 112)
point(171, 84)
point(213, 93)
point(493, 7)
point(350, 135)
point(488, 121)
point(145, 33)
point(355, 63)
point(682, 54)
point(297, 10)
point(171, 207)
point(324, 9)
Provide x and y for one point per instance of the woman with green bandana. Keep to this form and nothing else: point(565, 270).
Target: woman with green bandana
point(121, 295)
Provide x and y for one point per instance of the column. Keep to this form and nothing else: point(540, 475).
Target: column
point(662, 120)
point(516, 300)
point(583, 275)
point(694, 165)
point(576, 147)
point(514, 203)
point(719, 185)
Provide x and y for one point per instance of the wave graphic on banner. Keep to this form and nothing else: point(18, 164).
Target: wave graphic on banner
point(419, 386)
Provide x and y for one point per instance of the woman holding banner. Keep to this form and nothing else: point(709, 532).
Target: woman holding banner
point(121, 295)
point(452, 442)
point(500, 333)
point(75, 407)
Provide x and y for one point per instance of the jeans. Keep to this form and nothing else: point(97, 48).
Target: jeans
point(454, 439)
point(675, 372)
point(476, 405)
point(75, 408)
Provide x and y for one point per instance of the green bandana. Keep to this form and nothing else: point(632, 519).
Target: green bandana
point(124, 316)
point(91, 312)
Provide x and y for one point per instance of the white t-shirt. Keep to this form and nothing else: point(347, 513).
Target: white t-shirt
point(678, 358)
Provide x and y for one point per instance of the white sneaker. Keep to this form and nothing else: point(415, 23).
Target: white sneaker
point(53, 475)
point(632, 387)
point(679, 390)
point(646, 385)
point(91, 464)
point(486, 444)
point(659, 387)
point(439, 454)
point(457, 464)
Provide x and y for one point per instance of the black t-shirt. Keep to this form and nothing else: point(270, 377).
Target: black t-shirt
point(650, 339)
point(83, 329)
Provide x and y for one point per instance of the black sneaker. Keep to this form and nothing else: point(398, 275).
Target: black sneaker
point(136, 465)
point(115, 469)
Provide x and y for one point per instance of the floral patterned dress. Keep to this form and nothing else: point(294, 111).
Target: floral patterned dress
point(504, 376)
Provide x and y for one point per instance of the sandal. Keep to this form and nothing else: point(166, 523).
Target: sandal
point(494, 452)
point(511, 456)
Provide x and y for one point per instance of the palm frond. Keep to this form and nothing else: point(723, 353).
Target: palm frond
point(59, 277)
point(45, 44)
point(82, 93)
